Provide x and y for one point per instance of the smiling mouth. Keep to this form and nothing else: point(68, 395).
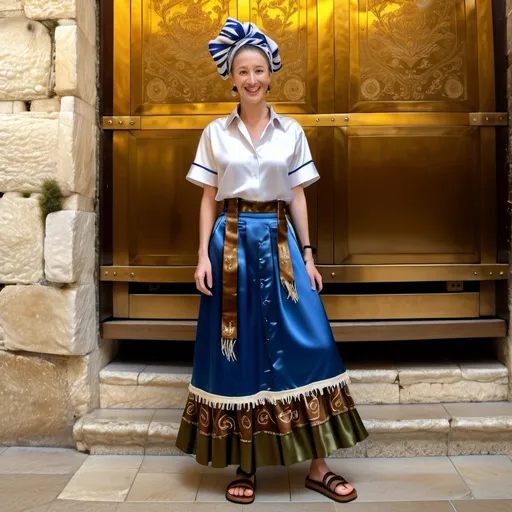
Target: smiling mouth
point(252, 90)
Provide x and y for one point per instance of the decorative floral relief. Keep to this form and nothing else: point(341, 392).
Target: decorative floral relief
point(178, 67)
point(413, 51)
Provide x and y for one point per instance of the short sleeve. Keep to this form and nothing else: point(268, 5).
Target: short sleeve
point(202, 171)
point(303, 171)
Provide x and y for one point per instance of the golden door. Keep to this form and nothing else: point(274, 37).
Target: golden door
point(397, 101)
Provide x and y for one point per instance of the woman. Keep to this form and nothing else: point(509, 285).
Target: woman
point(268, 385)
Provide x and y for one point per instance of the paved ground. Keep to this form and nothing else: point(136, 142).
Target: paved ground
point(61, 480)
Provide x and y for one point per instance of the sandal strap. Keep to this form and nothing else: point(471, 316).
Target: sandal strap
point(326, 477)
point(333, 481)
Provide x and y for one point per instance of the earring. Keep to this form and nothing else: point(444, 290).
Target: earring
point(234, 91)
point(268, 89)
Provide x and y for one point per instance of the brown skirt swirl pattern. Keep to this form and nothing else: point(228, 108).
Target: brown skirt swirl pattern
point(268, 434)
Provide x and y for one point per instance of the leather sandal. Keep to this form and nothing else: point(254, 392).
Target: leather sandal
point(328, 485)
point(243, 483)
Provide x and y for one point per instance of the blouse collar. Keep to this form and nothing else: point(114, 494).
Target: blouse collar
point(275, 119)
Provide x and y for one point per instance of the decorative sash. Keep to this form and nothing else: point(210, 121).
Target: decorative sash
point(230, 264)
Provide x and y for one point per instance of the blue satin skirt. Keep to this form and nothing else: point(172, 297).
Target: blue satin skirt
point(281, 345)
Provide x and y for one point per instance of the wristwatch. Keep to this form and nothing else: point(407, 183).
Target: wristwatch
point(313, 249)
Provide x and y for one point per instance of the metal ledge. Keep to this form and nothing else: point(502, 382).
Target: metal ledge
point(330, 273)
point(185, 330)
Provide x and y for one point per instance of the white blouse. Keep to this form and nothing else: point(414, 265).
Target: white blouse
point(227, 159)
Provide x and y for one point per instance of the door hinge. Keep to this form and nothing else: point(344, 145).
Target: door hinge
point(488, 119)
point(121, 123)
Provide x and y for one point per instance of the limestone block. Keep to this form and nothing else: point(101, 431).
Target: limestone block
point(78, 106)
point(48, 105)
point(19, 106)
point(83, 377)
point(12, 107)
point(11, 5)
point(11, 8)
point(29, 149)
point(77, 150)
point(414, 444)
point(49, 320)
point(75, 64)
point(468, 442)
point(388, 376)
point(83, 11)
point(357, 451)
point(162, 433)
point(6, 107)
point(78, 203)
point(114, 432)
point(374, 393)
point(420, 373)
point(33, 400)
point(462, 391)
point(26, 57)
point(21, 239)
point(69, 247)
point(157, 397)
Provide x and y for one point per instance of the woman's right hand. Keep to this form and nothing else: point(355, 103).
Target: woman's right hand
point(204, 270)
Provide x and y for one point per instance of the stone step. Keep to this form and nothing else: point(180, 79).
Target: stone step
point(141, 385)
point(403, 430)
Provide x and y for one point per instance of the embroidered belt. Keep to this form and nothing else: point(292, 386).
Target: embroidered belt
point(230, 264)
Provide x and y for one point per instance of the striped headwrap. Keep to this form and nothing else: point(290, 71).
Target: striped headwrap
point(232, 37)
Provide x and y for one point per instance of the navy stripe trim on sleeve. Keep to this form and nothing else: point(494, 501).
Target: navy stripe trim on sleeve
point(299, 168)
point(205, 168)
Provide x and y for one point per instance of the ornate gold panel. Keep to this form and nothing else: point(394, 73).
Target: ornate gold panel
point(407, 195)
point(157, 216)
point(409, 55)
point(172, 71)
point(397, 101)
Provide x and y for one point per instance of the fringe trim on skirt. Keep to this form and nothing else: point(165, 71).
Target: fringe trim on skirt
point(272, 397)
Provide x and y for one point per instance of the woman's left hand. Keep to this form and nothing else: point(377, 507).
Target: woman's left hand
point(314, 276)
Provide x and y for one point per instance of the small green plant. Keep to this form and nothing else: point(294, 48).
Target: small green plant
point(26, 195)
point(51, 198)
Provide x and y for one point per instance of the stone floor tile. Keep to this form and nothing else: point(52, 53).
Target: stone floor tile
point(273, 485)
point(164, 487)
point(488, 476)
point(81, 506)
point(400, 479)
point(299, 493)
point(111, 462)
point(213, 487)
point(179, 507)
point(42, 461)
point(291, 507)
point(483, 505)
point(2, 449)
point(19, 493)
point(166, 464)
point(99, 485)
point(396, 506)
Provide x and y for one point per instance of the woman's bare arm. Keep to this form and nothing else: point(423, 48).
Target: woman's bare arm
point(207, 214)
point(299, 214)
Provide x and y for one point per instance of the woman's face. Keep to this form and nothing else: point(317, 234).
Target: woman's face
point(250, 74)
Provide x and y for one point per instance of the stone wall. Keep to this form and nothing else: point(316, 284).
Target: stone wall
point(49, 352)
